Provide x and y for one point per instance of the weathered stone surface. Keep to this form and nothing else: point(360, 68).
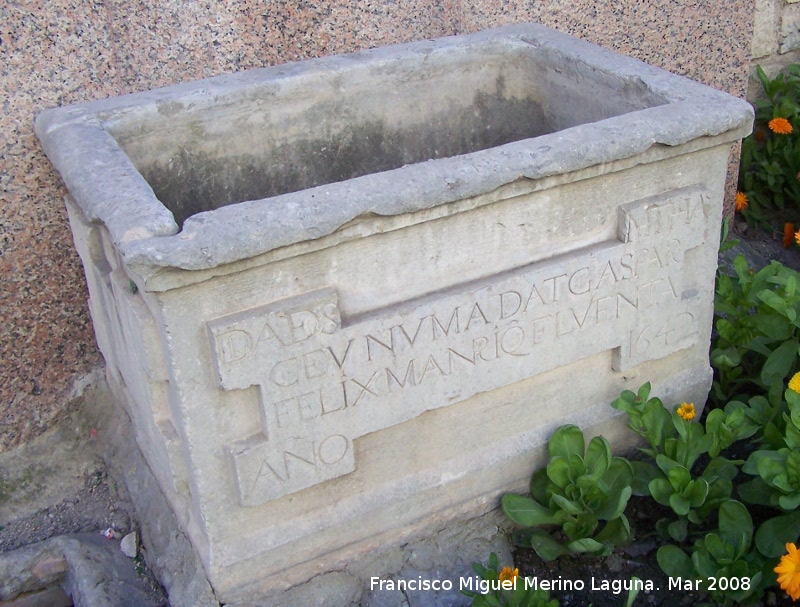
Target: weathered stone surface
point(313, 374)
point(89, 568)
point(790, 32)
point(384, 344)
point(764, 35)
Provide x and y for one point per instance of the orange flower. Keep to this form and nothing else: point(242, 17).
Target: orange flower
point(788, 571)
point(780, 126)
point(508, 575)
point(797, 237)
point(794, 383)
point(741, 201)
point(788, 235)
point(686, 411)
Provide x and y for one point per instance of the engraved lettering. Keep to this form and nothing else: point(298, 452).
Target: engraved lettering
point(284, 374)
point(444, 332)
point(320, 375)
point(340, 361)
point(315, 363)
point(268, 333)
point(411, 340)
point(371, 339)
point(476, 315)
point(363, 389)
point(512, 340)
point(234, 345)
point(333, 449)
point(430, 366)
point(408, 378)
point(509, 300)
point(579, 282)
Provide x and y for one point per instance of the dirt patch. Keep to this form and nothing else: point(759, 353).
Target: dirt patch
point(762, 245)
point(57, 488)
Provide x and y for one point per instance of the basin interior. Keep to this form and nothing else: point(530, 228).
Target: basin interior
point(308, 128)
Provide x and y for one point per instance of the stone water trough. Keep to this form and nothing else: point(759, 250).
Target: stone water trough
point(347, 300)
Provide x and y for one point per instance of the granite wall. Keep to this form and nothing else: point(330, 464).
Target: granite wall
point(55, 52)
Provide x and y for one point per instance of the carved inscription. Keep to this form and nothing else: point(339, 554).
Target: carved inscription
point(323, 383)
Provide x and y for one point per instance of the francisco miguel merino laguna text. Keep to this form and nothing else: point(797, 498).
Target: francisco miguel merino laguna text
point(476, 584)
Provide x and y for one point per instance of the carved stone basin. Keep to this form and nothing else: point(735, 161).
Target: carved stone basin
point(348, 299)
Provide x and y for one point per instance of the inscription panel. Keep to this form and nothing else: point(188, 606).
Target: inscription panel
point(324, 382)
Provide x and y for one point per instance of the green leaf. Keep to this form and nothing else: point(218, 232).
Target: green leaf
point(598, 456)
point(675, 562)
point(696, 492)
point(615, 506)
point(755, 491)
point(658, 422)
point(793, 469)
point(661, 490)
point(720, 468)
point(722, 552)
point(559, 472)
point(773, 534)
point(727, 358)
point(678, 530)
point(566, 442)
point(566, 505)
point(586, 544)
point(666, 463)
point(679, 504)
point(771, 466)
point(528, 513)
point(679, 477)
point(772, 326)
point(616, 532)
point(789, 502)
point(546, 547)
point(735, 525)
point(539, 484)
point(643, 473)
point(779, 363)
point(618, 476)
point(704, 565)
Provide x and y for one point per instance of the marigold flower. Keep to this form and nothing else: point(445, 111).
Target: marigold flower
point(794, 383)
point(741, 201)
point(780, 126)
point(686, 411)
point(788, 571)
point(788, 234)
point(507, 574)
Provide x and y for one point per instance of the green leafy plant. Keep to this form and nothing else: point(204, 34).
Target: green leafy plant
point(723, 561)
point(675, 445)
point(757, 321)
point(581, 487)
point(777, 479)
point(771, 154)
point(503, 588)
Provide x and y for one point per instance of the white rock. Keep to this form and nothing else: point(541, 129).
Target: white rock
point(128, 545)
